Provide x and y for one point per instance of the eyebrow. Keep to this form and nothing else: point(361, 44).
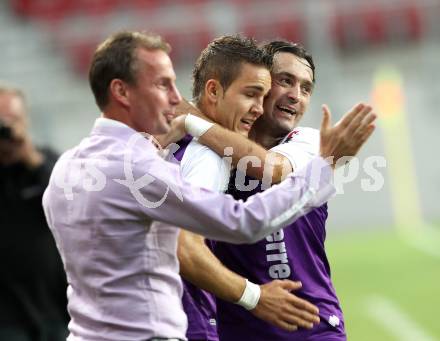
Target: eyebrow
point(168, 77)
point(255, 87)
point(288, 74)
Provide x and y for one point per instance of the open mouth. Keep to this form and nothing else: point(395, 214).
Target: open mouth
point(247, 123)
point(289, 111)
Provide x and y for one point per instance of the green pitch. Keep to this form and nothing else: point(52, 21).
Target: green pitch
point(388, 289)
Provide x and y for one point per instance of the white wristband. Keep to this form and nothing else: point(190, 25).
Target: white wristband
point(251, 296)
point(196, 126)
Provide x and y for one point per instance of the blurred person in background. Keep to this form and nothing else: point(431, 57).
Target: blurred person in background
point(297, 251)
point(32, 280)
point(231, 78)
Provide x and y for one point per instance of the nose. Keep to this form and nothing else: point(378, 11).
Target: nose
point(294, 93)
point(257, 109)
point(175, 96)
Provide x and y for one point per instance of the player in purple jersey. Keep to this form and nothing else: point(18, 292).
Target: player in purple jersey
point(297, 252)
point(231, 78)
point(231, 72)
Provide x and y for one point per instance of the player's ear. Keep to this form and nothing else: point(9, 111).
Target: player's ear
point(213, 90)
point(119, 91)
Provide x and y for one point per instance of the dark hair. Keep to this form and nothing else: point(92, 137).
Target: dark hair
point(222, 60)
point(116, 58)
point(276, 46)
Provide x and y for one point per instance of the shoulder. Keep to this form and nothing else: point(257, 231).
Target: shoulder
point(197, 152)
point(203, 167)
point(304, 138)
point(303, 134)
point(299, 146)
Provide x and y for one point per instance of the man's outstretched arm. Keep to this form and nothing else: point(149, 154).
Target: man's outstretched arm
point(267, 163)
point(360, 118)
point(218, 138)
point(247, 222)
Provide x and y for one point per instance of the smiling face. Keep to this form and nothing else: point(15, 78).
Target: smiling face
point(154, 96)
point(289, 97)
point(241, 104)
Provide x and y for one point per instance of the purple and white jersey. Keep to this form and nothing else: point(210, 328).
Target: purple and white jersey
point(295, 252)
point(202, 167)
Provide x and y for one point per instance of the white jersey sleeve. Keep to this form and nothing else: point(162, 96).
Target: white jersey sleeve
point(204, 168)
point(299, 146)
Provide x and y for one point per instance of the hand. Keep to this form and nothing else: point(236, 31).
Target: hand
point(175, 134)
point(347, 136)
point(19, 152)
point(178, 128)
point(30, 156)
point(19, 148)
point(283, 309)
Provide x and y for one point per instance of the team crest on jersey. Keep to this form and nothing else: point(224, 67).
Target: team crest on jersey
point(290, 136)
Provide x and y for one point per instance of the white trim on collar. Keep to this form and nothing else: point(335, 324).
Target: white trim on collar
point(107, 122)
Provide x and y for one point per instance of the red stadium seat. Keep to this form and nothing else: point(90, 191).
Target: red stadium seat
point(374, 23)
point(59, 9)
point(415, 21)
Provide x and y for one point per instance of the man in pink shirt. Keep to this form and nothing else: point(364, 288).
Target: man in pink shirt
point(104, 194)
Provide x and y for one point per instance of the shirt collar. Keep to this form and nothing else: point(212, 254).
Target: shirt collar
point(117, 129)
point(108, 122)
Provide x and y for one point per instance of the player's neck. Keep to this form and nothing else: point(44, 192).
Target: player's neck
point(207, 110)
point(122, 116)
point(263, 135)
